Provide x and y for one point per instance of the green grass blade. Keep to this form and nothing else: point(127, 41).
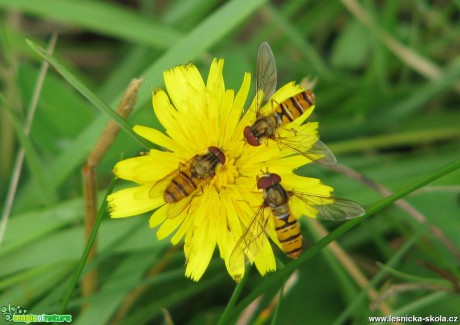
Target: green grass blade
point(236, 294)
point(310, 54)
point(48, 190)
point(89, 95)
point(419, 304)
point(99, 17)
point(419, 97)
point(102, 306)
point(155, 308)
point(276, 312)
point(188, 48)
point(379, 276)
point(89, 244)
point(393, 140)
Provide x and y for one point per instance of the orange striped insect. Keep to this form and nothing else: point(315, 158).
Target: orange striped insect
point(276, 199)
point(266, 126)
point(191, 176)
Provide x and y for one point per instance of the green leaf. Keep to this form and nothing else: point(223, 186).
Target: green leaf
point(47, 191)
point(100, 17)
point(352, 47)
point(89, 95)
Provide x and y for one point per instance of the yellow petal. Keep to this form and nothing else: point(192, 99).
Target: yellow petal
point(249, 117)
point(184, 85)
point(233, 126)
point(300, 208)
point(199, 242)
point(165, 112)
point(265, 260)
point(230, 227)
point(124, 203)
point(311, 190)
point(146, 169)
point(169, 225)
point(184, 227)
point(158, 216)
point(176, 127)
point(215, 82)
point(223, 120)
point(158, 138)
point(286, 165)
point(241, 96)
point(298, 121)
point(299, 133)
point(305, 185)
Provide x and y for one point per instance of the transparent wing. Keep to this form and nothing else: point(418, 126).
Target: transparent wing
point(162, 183)
point(320, 149)
point(339, 210)
point(265, 73)
point(310, 147)
point(175, 209)
point(250, 242)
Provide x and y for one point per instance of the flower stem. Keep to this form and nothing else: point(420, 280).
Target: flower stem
point(87, 250)
point(236, 293)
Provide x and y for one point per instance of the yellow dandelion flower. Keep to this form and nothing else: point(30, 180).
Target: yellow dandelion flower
point(203, 185)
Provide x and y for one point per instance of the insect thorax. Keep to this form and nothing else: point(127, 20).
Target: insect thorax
point(204, 166)
point(276, 196)
point(265, 126)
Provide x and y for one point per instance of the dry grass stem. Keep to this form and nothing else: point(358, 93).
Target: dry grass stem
point(404, 205)
point(407, 55)
point(12, 188)
point(137, 293)
point(349, 265)
point(248, 313)
point(107, 137)
point(400, 288)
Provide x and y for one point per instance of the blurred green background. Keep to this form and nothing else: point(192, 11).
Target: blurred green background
point(388, 99)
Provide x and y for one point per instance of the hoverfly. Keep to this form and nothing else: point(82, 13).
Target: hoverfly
point(266, 126)
point(189, 177)
point(276, 198)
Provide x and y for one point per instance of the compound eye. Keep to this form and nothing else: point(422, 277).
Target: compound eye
point(268, 180)
point(250, 137)
point(218, 153)
point(276, 179)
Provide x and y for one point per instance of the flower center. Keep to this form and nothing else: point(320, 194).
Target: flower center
point(226, 174)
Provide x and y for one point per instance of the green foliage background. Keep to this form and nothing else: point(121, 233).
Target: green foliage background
point(388, 85)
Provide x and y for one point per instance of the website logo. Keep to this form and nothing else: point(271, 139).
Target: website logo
point(17, 314)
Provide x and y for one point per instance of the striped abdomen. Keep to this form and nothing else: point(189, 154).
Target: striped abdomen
point(181, 186)
point(190, 177)
point(293, 107)
point(288, 231)
point(286, 225)
point(285, 112)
